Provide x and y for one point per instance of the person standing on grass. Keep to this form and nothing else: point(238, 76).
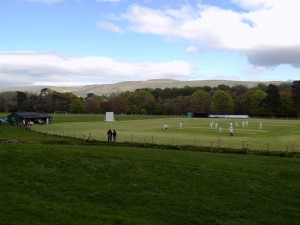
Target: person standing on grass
point(114, 135)
point(109, 135)
point(231, 131)
point(165, 126)
point(260, 125)
point(180, 125)
point(220, 129)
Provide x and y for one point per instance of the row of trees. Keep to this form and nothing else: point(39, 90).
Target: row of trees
point(271, 101)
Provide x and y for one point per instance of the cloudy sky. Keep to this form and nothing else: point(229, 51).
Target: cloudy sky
point(79, 42)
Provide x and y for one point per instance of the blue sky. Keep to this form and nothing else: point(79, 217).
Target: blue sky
point(80, 42)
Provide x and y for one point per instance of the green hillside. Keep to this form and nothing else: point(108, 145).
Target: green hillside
point(104, 89)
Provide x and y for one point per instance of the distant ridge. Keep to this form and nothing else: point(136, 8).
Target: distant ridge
point(106, 89)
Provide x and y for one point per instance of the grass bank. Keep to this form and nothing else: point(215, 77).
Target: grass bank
point(79, 184)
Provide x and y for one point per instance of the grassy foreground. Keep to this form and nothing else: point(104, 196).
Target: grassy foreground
point(78, 184)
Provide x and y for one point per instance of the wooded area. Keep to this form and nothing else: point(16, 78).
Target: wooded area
point(262, 101)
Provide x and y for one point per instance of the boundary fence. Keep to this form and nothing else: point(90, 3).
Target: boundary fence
point(63, 116)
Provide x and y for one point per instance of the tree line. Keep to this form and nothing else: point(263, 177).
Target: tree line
point(271, 100)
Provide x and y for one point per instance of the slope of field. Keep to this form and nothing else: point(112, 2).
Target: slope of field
point(78, 184)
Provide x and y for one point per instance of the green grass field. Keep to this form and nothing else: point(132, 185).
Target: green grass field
point(53, 180)
point(276, 135)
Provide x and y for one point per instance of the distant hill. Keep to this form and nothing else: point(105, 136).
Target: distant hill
point(106, 89)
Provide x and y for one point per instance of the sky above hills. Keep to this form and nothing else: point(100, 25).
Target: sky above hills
point(80, 42)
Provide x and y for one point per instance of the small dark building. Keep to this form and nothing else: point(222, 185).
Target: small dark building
point(197, 114)
point(200, 114)
point(32, 117)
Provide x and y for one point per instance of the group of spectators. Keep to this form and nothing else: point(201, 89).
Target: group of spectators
point(112, 136)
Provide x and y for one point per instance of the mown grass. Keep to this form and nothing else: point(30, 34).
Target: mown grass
point(85, 184)
point(276, 135)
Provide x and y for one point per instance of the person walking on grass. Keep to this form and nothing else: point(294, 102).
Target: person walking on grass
point(114, 135)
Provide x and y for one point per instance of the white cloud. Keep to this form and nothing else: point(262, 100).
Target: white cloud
point(267, 26)
point(109, 26)
point(39, 68)
point(254, 4)
point(192, 50)
point(147, 20)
